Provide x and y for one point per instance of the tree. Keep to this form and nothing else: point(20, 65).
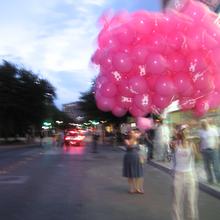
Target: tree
point(24, 99)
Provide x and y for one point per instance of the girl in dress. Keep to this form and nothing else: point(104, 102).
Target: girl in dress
point(132, 165)
point(185, 195)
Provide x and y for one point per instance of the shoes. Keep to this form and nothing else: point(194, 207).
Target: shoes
point(140, 191)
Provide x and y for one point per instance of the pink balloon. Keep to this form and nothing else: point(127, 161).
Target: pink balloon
point(201, 107)
point(214, 100)
point(165, 86)
point(143, 102)
point(96, 57)
point(198, 94)
point(187, 103)
point(124, 101)
point(216, 79)
point(118, 111)
point(214, 55)
point(163, 56)
point(100, 81)
point(106, 60)
point(210, 24)
point(108, 89)
point(195, 10)
point(138, 85)
point(105, 104)
point(196, 62)
point(157, 43)
point(203, 81)
point(182, 21)
point(161, 101)
point(122, 62)
point(157, 64)
point(166, 23)
point(151, 81)
point(176, 40)
point(144, 123)
point(125, 34)
point(138, 70)
point(140, 54)
point(177, 62)
point(195, 38)
point(209, 42)
point(184, 84)
point(107, 40)
point(142, 22)
point(136, 112)
point(124, 89)
point(125, 49)
point(115, 77)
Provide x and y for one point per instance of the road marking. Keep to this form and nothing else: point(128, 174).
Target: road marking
point(13, 179)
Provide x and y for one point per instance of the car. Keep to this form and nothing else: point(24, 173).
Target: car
point(74, 138)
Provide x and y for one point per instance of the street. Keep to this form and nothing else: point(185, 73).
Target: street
point(73, 183)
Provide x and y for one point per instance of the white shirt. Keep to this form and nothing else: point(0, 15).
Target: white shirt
point(208, 138)
point(184, 159)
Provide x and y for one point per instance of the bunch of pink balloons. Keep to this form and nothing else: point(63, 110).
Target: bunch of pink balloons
point(148, 60)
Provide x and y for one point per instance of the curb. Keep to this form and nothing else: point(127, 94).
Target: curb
point(202, 186)
point(7, 148)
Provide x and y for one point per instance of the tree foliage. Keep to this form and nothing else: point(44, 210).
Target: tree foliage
point(24, 99)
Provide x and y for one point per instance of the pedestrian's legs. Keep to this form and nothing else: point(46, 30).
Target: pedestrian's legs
point(132, 185)
point(140, 185)
point(207, 165)
point(94, 146)
point(191, 193)
point(216, 168)
point(178, 195)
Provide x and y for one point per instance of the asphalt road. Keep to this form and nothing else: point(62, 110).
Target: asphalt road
point(74, 184)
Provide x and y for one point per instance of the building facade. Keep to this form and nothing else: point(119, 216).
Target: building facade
point(213, 4)
point(73, 111)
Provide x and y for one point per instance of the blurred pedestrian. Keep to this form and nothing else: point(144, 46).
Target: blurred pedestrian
point(41, 137)
point(95, 138)
point(150, 134)
point(209, 142)
point(60, 138)
point(54, 139)
point(132, 163)
point(185, 189)
point(161, 140)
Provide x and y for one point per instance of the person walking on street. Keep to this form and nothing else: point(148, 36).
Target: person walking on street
point(150, 143)
point(209, 142)
point(185, 189)
point(60, 138)
point(41, 138)
point(132, 164)
point(161, 140)
point(95, 138)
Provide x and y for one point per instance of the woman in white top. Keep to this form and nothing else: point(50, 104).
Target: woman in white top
point(184, 184)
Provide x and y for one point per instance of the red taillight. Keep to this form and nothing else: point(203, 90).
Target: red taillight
point(67, 138)
point(71, 138)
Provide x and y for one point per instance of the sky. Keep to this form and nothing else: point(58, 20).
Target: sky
point(56, 38)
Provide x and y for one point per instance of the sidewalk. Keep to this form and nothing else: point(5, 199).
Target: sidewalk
point(213, 190)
